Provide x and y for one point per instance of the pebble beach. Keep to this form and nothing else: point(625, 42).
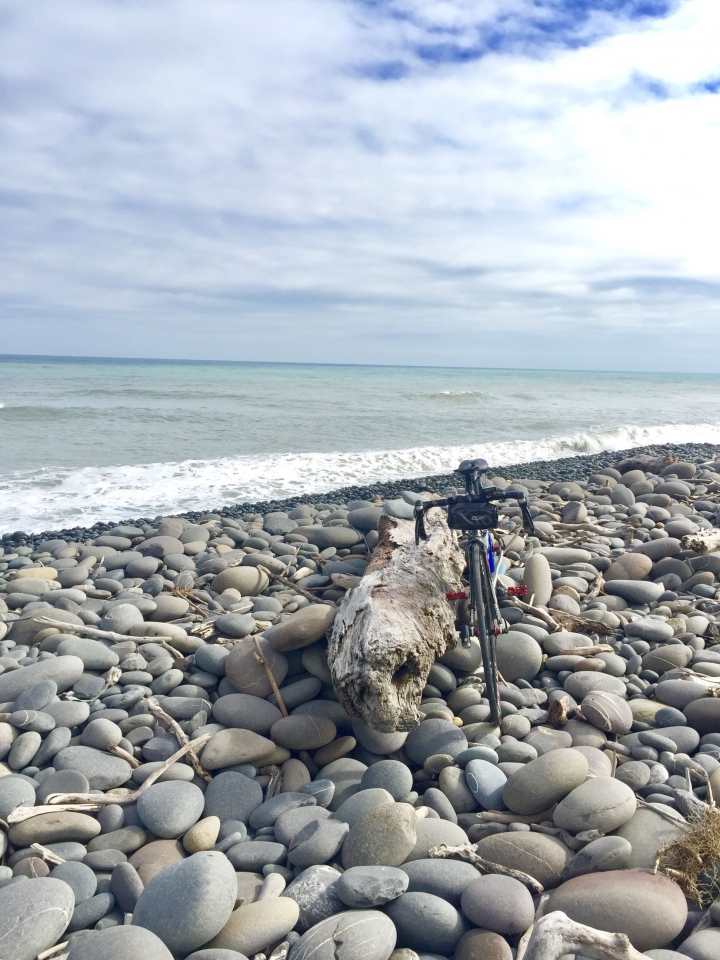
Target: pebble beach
point(165, 686)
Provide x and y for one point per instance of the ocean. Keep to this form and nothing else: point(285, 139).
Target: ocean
point(83, 440)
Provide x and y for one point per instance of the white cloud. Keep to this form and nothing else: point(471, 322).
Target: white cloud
point(225, 180)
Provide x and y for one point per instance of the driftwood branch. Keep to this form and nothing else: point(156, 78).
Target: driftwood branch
point(555, 935)
point(109, 634)
point(293, 585)
point(157, 711)
point(394, 624)
point(262, 660)
point(82, 802)
point(468, 852)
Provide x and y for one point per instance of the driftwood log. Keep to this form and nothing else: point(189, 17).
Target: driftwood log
point(555, 936)
point(393, 625)
point(704, 541)
point(647, 462)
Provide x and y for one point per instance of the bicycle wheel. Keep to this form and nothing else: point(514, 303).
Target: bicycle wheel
point(486, 637)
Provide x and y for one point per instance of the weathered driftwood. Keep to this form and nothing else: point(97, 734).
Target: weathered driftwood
point(704, 541)
point(396, 622)
point(647, 462)
point(555, 935)
point(468, 853)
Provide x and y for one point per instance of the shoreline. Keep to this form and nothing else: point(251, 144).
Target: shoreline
point(565, 468)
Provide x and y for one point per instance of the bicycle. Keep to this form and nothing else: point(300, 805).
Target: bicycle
point(475, 511)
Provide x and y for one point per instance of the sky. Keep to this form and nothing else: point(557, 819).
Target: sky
point(529, 183)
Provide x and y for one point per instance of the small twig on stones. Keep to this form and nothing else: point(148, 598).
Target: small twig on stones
point(468, 852)
point(289, 583)
point(124, 755)
point(495, 816)
point(157, 711)
point(275, 783)
point(271, 679)
point(47, 855)
point(80, 802)
point(46, 954)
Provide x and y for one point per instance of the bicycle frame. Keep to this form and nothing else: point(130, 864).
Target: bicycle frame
point(476, 513)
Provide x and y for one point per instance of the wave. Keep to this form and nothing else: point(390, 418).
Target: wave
point(54, 498)
point(461, 394)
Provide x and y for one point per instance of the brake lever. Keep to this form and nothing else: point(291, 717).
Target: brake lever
point(420, 532)
point(527, 518)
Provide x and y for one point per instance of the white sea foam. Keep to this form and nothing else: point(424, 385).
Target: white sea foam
point(60, 498)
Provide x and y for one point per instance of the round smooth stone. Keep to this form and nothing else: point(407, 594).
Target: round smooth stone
point(384, 837)
point(301, 629)
point(497, 903)
point(703, 945)
point(607, 712)
point(126, 886)
point(375, 741)
point(79, 877)
point(62, 781)
point(255, 926)
point(446, 879)
point(102, 770)
point(605, 853)
point(235, 625)
point(390, 775)
point(346, 775)
point(486, 782)
point(16, 791)
point(545, 781)
point(426, 923)
point(704, 715)
point(364, 933)
point(316, 843)
point(360, 804)
point(634, 592)
point(432, 737)
point(366, 887)
point(303, 732)
point(119, 943)
point(601, 803)
point(58, 827)
point(482, 945)
point(186, 923)
point(232, 796)
point(169, 809)
point(246, 713)
point(433, 832)
point(315, 893)
point(231, 747)
point(543, 857)
point(94, 654)
point(538, 579)
point(647, 831)
point(579, 685)
point(33, 916)
point(519, 657)
point(649, 908)
point(242, 669)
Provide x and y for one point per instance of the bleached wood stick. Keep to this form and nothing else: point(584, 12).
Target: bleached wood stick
point(109, 634)
point(468, 852)
point(80, 802)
